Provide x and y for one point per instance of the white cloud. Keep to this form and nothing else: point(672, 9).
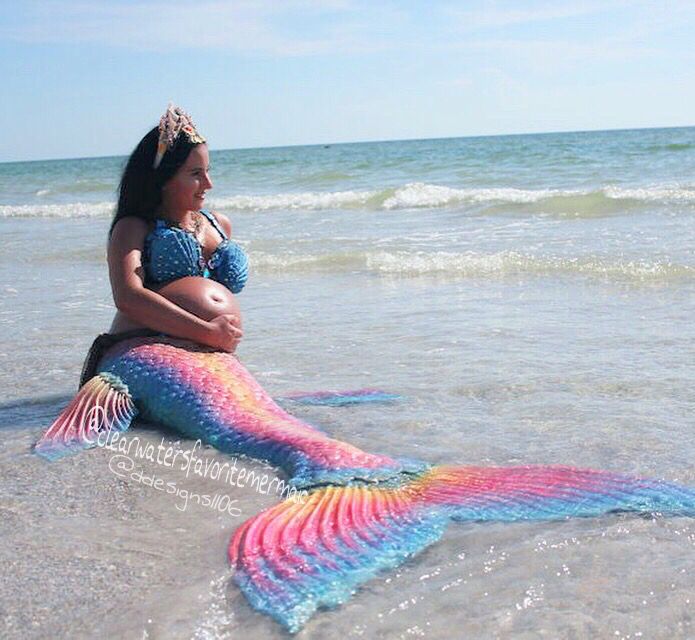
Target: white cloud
point(287, 28)
point(490, 15)
point(627, 31)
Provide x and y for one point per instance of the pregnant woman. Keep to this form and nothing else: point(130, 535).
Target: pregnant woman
point(168, 358)
point(172, 265)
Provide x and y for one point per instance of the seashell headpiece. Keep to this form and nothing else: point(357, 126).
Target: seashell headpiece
point(174, 121)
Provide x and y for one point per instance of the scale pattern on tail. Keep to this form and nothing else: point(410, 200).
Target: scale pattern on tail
point(211, 396)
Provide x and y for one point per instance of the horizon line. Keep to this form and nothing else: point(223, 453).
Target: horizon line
point(374, 141)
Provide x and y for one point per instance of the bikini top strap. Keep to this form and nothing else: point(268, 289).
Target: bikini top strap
point(214, 223)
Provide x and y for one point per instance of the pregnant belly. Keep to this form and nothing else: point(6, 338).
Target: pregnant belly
point(202, 297)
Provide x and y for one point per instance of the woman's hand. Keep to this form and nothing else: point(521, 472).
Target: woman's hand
point(224, 333)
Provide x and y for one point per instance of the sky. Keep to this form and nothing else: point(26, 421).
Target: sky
point(89, 77)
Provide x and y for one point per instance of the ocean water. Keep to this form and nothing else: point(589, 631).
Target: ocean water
point(531, 297)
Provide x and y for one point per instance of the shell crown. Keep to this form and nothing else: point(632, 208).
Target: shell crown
point(174, 121)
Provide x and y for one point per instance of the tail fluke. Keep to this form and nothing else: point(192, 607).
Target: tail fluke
point(102, 404)
point(342, 398)
point(296, 557)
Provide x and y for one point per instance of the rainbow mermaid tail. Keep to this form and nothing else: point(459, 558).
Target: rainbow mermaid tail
point(363, 513)
point(208, 395)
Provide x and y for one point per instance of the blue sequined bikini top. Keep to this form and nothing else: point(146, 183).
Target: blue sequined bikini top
point(171, 253)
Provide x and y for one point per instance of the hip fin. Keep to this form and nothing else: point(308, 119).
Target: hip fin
point(102, 405)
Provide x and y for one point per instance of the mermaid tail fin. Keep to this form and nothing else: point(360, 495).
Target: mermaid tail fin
point(342, 398)
point(102, 404)
point(296, 557)
point(537, 492)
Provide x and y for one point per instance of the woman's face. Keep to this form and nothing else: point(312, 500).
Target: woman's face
point(185, 191)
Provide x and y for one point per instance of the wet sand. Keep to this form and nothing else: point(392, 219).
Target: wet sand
point(88, 554)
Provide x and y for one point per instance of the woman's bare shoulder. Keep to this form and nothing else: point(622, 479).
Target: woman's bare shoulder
point(224, 221)
point(129, 229)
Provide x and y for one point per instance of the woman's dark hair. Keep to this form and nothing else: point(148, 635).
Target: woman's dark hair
point(140, 190)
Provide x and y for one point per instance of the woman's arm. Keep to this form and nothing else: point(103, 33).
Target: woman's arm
point(148, 307)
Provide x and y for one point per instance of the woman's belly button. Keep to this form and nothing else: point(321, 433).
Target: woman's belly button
point(202, 297)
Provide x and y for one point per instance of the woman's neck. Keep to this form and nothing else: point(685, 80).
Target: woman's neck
point(180, 217)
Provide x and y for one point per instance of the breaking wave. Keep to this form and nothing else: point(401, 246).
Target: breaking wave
point(609, 200)
point(72, 210)
point(418, 195)
point(472, 264)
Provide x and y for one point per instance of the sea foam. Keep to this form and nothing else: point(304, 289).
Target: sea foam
point(71, 210)
point(473, 264)
point(420, 195)
point(608, 200)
